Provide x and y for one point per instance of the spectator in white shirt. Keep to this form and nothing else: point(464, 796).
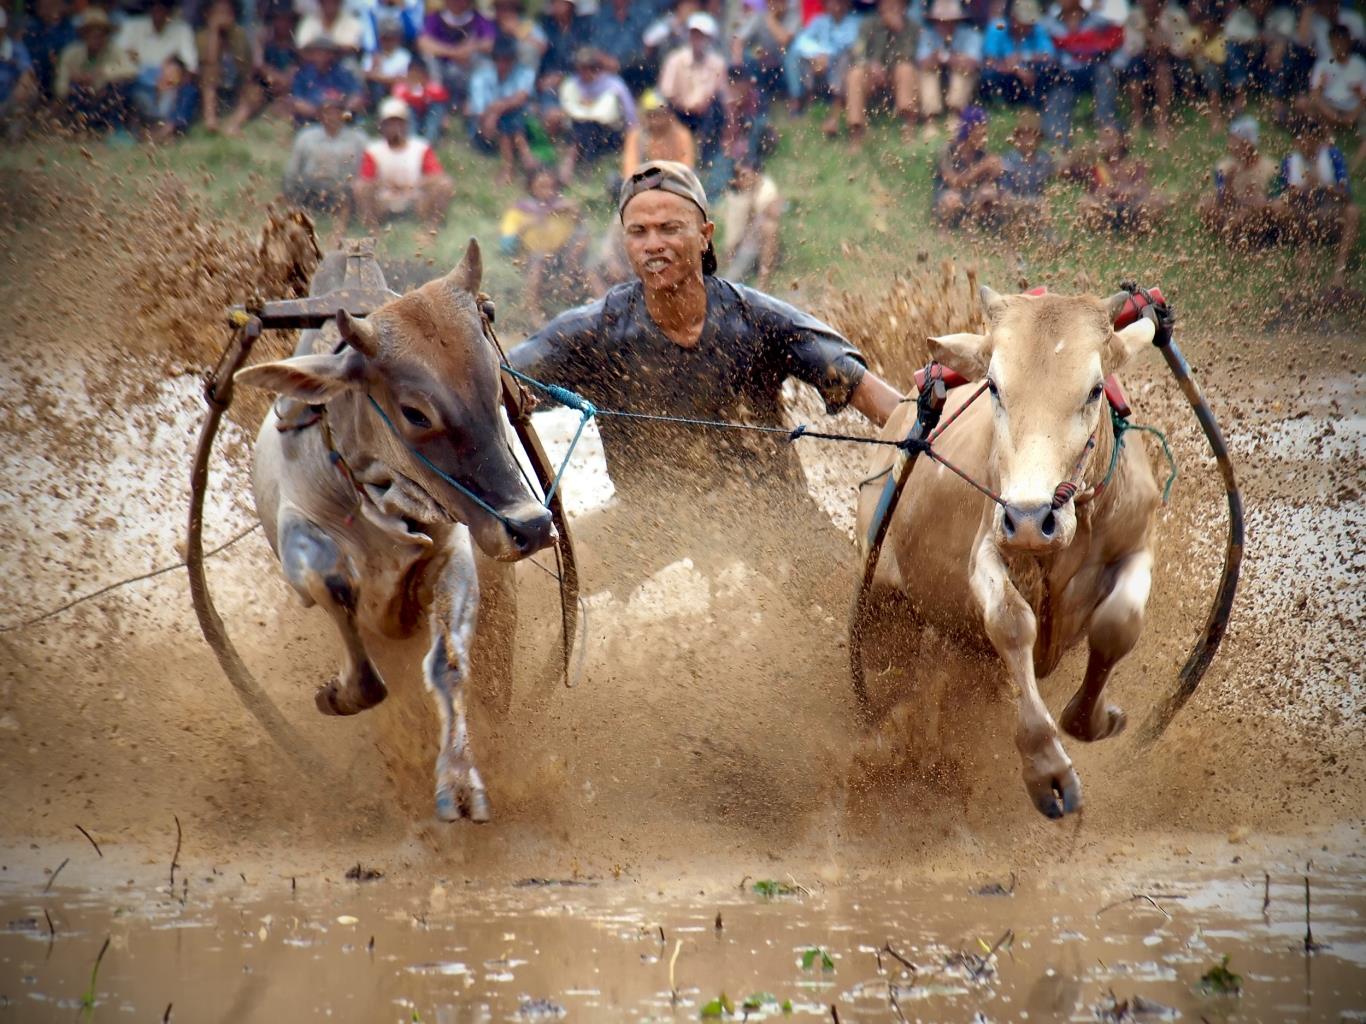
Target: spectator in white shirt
point(693, 83)
point(1337, 85)
point(150, 40)
point(333, 23)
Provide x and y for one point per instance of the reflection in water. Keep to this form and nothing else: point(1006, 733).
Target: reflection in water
point(460, 954)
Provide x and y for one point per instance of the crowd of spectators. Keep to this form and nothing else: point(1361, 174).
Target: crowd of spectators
point(555, 87)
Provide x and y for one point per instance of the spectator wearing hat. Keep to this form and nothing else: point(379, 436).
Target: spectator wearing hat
point(453, 37)
point(659, 136)
point(408, 14)
point(324, 161)
point(950, 59)
point(18, 84)
point(617, 31)
point(693, 84)
point(1085, 42)
point(566, 32)
point(595, 112)
point(884, 65)
point(1240, 208)
point(275, 62)
point(322, 72)
point(48, 30)
point(761, 41)
point(819, 58)
point(94, 79)
point(427, 99)
point(225, 61)
point(400, 174)
point(501, 89)
point(332, 21)
point(544, 232)
point(751, 225)
point(388, 65)
point(964, 186)
point(162, 46)
point(1018, 57)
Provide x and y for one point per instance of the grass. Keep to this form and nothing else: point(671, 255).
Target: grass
point(853, 222)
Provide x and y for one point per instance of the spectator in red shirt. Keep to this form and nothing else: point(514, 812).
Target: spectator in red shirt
point(400, 174)
point(428, 99)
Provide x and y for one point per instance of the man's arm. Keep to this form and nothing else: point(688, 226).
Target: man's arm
point(875, 399)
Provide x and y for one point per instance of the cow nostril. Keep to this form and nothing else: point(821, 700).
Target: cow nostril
point(1008, 524)
point(1049, 524)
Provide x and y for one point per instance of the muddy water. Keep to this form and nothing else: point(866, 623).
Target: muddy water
point(1053, 947)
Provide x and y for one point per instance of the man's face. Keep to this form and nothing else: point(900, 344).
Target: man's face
point(837, 8)
point(588, 73)
point(666, 236)
point(699, 41)
point(1242, 149)
point(95, 38)
point(394, 130)
point(562, 9)
point(161, 14)
point(504, 65)
point(458, 6)
point(330, 8)
point(331, 117)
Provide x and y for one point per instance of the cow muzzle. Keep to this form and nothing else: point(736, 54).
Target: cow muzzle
point(525, 530)
point(1034, 527)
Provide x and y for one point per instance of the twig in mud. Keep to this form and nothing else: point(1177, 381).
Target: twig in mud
point(1266, 894)
point(175, 857)
point(980, 969)
point(718, 925)
point(743, 881)
point(662, 940)
point(88, 1000)
point(887, 948)
point(53, 877)
point(834, 1014)
point(673, 960)
point(92, 840)
point(1310, 946)
point(370, 946)
point(1134, 898)
point(166, 1017)
point(896, 1006)
point(293, 883)
point(877, 955)
point(51, 931)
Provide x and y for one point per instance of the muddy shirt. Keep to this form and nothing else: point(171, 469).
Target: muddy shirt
point(612, 353)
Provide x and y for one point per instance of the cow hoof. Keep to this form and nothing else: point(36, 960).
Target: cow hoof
point(335, 698)
point(1057, 795)
point(464, 799)
point(1101, 724)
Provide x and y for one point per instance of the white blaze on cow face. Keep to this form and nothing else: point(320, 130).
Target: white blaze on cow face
point(1045, 360)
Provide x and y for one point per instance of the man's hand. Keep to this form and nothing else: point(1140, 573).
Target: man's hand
point(875, 399)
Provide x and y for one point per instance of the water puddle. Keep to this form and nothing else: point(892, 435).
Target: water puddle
point(460, 953)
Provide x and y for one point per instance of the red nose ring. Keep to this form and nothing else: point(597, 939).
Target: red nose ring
point(1063, 494)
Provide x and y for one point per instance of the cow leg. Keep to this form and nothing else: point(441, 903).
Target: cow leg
point(1115, 626)
point(1010, 624)
point(316, 568)
point(455, 612)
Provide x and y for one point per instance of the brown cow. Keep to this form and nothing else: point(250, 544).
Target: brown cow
point(1027, 577)
point(365, 526)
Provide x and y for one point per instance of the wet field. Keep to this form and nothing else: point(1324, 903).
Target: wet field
point(1080, 944)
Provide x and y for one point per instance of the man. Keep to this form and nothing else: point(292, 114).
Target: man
point(818, 58)
point(452, 38)
point(1337, 84)
point(566, 32)
point(950, 59)
point(885, 63)
point(617, 31)
point(693, 83)
point(1085, 42)
point(150, 40)
point(47, 32)
point(225, 61)
point(324, 161)
point(334, 23)
point(18, 84)
point(95, 79)
point(760, 41)
point(680, 342)
point(1317, 196)
point(1018, 57)
point(752, 213)
point(400, 174)
point(596, 110)
point(500, 92)
point(322, 73)
point(1240, 208)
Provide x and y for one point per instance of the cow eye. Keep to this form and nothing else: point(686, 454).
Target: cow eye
point(991, 387)
point(416, 417)
point(1095, 394)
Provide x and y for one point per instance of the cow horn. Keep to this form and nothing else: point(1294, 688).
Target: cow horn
point(469, 272)
point(358, 334)
point(991, 302)
point(1114, 305)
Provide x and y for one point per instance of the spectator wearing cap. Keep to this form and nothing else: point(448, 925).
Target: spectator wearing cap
point(678, 341)
point(225, 61)
point(693, 84)
point(95, 79)
point(322, 72)
point(1240, 208)
point(617, 31)
point(950, 59)
point(275, 62)
point(324, 161)
point(1085, 42)
point(332, 21)
point(668, 32)
point(751, 225)
point(659, 136)
point(453, 37)
point(164, 94)
point(566, 33)
point(501, 90)
point(400, 175)
point(1018, 57)
point(964, 187)
point(408, 14)
point(761, 40)
point(48, 30)
point(595, 112)
point(388, 65)
point(427, 99)
point(819, 58)
point(884, 66)
point(18, 84)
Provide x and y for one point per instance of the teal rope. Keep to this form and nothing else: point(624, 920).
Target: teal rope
point(1122, 427)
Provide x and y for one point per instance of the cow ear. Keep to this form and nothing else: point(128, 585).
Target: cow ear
point(1123, 345)
point(312, 379)
point(469, 272)
point(968, 354)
